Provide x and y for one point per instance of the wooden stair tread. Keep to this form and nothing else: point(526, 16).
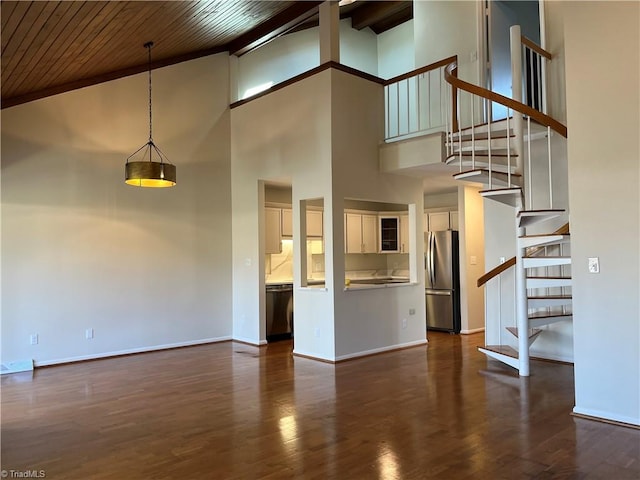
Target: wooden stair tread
point(532, 332)
point(482, 170)
point(539, 211)
point(483, 135)
point(509, 196)
point(548, 277)
point(501, 349)
point(483, 153)
point(550, 297)
point(539, 315)
point(502, 190)
point(547, 256)
point(540, 235)
point(529, 217)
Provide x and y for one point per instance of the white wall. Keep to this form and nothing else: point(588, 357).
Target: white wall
point(445, 28)
point(370, 320)
point(279, 60)
point(286, 133)
point(603, 110)
point(471, 227)
point(323, 134)
point(441, 200)
point(80, 249)
point(396, 51)
point(358, 48)
point(293, 54)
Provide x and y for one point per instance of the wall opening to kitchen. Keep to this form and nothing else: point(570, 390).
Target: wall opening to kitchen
point(377, 243)
point(312, 242)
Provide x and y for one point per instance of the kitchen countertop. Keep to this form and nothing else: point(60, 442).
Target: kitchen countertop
point(355, 283)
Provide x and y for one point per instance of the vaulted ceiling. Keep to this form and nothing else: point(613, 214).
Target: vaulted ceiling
point(50, 47)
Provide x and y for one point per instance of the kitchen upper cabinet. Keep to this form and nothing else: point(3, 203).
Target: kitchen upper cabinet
point(361, 233)
point(453, 220)
point(369, 233)
point(389, 233)
point(287, 222)
point(314, 223)
point(273, 228)
point(404, 233)
point(438, 221)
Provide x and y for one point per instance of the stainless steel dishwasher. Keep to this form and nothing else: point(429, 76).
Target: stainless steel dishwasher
point(279, 312)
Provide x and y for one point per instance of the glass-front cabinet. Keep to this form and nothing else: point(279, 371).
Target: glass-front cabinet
point(389, 233)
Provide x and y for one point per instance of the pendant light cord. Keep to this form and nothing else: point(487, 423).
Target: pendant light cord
point(149, 45)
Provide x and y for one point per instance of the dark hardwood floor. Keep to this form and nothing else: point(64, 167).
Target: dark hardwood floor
point(232, 411)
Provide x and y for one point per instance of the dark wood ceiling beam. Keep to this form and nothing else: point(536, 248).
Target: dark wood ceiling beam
point(373, 12)
point(274, 27)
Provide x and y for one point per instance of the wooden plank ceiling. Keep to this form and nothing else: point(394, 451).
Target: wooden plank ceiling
point(56, 46)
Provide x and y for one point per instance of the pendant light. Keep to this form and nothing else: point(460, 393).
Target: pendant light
point(153, 168)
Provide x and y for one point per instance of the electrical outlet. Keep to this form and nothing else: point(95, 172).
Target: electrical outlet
point(316, 332)
point(502, 260)
point(88, 333)
point(33, 339)
point(404, 323)
point(473, 260)
point(594, 265)
point(412, 311)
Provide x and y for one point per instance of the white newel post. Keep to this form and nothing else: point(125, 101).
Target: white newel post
point(516, 94)
point(521, 309)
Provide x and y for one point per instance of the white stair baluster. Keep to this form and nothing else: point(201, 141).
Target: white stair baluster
point(550, 173)
point(529, 162)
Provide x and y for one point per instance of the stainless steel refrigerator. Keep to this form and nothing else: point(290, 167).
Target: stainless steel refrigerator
point(442, 280)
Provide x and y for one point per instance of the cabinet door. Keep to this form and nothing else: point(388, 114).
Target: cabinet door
point(389, 234)
point(404, 233)
point(369, 233)
point(453, 220)
point(314, 223)
point(287, 222)
point(353, 233)
point(272, 230)
point(438, 221)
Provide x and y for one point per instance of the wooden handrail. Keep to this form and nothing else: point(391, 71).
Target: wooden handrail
point(496, 271)
point(418, 71)
point(535, 47)
point(450, 75)
point(563, 230)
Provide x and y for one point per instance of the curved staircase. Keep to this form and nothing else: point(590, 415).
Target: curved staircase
point(498, 155)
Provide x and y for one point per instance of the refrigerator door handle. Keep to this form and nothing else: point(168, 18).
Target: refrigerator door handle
point(427, 259)
point(432, 257)
point(444, 293)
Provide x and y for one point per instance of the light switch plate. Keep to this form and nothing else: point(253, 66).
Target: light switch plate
point(594, 265)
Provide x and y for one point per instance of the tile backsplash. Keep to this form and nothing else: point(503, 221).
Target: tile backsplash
point(279, 266)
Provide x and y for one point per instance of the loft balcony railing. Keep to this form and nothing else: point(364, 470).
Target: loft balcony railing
point(416, 103)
